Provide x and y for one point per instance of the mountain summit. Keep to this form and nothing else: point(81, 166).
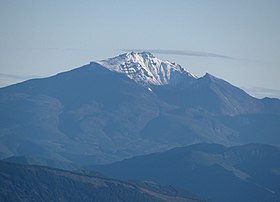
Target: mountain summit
point(145, 68)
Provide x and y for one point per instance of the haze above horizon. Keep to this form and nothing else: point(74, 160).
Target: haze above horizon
point(46, 37)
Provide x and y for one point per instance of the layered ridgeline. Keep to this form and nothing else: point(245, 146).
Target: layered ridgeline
point(241, 173)
point(35, 183)
point(129, 105)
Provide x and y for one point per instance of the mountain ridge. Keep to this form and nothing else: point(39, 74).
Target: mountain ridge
point(37, 183)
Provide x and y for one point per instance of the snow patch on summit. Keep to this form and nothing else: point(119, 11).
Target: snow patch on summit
point(144, 68)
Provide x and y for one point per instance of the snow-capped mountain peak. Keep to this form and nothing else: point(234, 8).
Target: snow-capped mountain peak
point(145, 68)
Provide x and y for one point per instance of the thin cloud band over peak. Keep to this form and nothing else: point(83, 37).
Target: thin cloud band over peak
point(181, 52)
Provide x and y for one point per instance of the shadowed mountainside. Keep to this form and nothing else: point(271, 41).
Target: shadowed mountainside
point(241, 173)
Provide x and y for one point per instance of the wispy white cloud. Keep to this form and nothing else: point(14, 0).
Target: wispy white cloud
point(21, 77)
point(182, 52)
point(8, 79)
point(263, 92)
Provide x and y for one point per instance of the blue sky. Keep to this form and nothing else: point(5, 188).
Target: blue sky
point(42, 38)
